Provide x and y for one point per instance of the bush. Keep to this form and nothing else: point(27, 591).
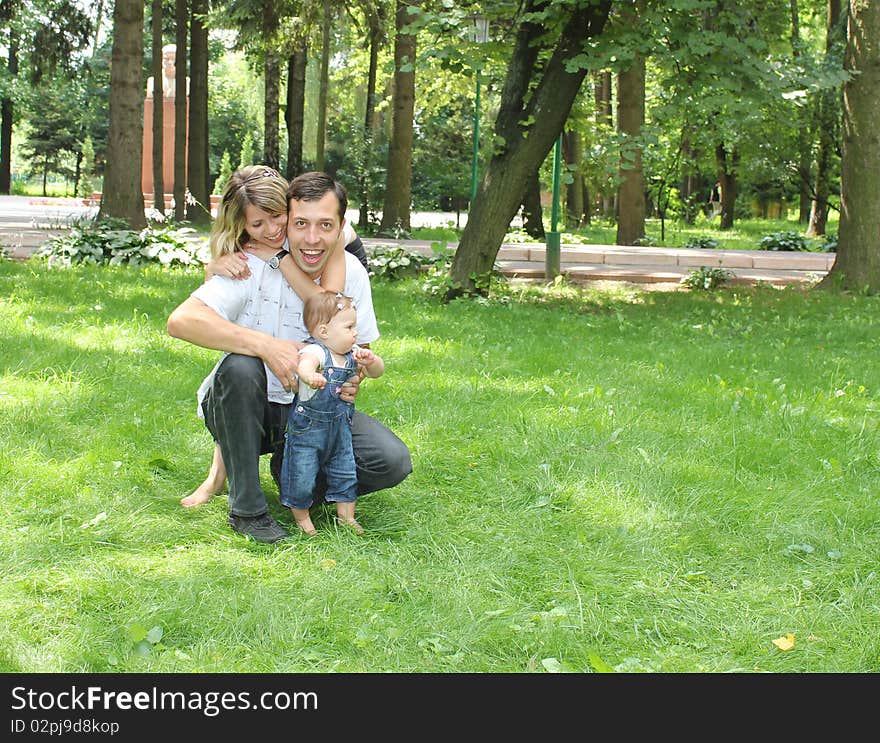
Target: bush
point(829, 244)
point(706, 279)
point(784, 241)
point(396, 262)
point(702, 242)
point(110, 241)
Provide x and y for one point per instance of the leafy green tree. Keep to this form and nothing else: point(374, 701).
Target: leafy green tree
point(121, 195)
point(198, 208)
point(547, 66)
point(51, 143)
point(857, 265)
point(86, 185)
point(828, 120)
point(398, 186)
point(224, 175)
point(41, 37)
point(246, 156)
point(181, 22)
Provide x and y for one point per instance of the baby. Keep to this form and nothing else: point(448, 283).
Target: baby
point(318, 437)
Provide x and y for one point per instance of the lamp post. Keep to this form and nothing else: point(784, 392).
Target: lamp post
point(481, 36)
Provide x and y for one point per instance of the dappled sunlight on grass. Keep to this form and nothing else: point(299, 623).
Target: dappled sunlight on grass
point(669, 481)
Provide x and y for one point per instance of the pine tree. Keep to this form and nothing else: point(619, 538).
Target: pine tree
point(225, 173)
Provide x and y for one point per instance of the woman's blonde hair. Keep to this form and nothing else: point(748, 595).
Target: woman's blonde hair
point(255, 185)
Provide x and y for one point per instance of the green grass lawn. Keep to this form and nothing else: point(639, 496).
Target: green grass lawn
point(655, 482)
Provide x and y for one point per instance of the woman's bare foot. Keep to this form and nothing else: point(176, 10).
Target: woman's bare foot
point(304, 521)
point(202, 494)
point(345, 517)
point(213, 484)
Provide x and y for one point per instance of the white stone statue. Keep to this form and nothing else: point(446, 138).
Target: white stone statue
point(169, 54)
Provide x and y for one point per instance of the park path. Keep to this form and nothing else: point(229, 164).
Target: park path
point(25, 223)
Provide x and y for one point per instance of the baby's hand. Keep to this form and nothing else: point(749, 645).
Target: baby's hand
point(316, 380)
point(364, 356)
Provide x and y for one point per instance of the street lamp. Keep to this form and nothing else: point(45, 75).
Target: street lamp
point(480, 33)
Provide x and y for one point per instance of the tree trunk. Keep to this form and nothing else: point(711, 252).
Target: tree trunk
point(198, 178)
point(271, 112)
point(630, 120)
point(689, 189)
point(803, 128)
point(857, 266)
point(533, 215)
point(7, 114)
point(398, 186)
point(828, 122)
point(374, 20)
point(604, 116)
point(295, 113)
point(158, 122)
point(527, 131)
point(323, 86)
point(576, 211)
point(181, 99)
point(122, 195)
point(727, 164)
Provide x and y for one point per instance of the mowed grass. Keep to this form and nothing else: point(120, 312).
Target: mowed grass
point(659, 482)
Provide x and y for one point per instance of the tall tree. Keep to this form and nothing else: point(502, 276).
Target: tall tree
point(122, 196)
point(374, 13)
point(727, 161)
point(294, 113)
point(324, 84)
point(181, 106)
point(42, 39)
point(577, 211)
point(803, 163)
point(857, 265)
point(544, 75)
point(398, 187)
point(630, 120)
point(828, 120)
point(158, 121)
point(197, 177)
point(272, 86)
point(7, 105)
point(603, 88)
point(532, 212)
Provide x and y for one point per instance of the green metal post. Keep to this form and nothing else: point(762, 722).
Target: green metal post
point(476, 144)
point(554, 242)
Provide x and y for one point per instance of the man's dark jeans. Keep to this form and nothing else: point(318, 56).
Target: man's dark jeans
point(246, 425)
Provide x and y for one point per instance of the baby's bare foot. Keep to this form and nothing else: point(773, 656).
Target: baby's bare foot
point(350, 523)
point(304, 521)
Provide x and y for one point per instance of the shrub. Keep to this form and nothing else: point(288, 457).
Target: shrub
point(784, 241)
point(702, 242)
point(396, 262)
point(706, 279)
point(110, 241)
point(829, 244)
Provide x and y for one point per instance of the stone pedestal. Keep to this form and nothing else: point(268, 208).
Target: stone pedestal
point(167, 146)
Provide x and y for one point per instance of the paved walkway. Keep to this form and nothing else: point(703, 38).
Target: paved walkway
point(586, 263)
point(21, 235)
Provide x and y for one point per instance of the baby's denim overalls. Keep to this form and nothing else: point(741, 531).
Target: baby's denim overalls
point(318, 439)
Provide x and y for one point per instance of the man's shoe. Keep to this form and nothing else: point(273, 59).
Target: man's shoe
point(262, 528)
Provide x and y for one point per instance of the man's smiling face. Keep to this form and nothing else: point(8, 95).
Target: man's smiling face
point(313, 229)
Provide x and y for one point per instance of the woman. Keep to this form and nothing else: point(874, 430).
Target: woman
point(253, 213)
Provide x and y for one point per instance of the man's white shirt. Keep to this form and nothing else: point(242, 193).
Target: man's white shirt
point(264, 301)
